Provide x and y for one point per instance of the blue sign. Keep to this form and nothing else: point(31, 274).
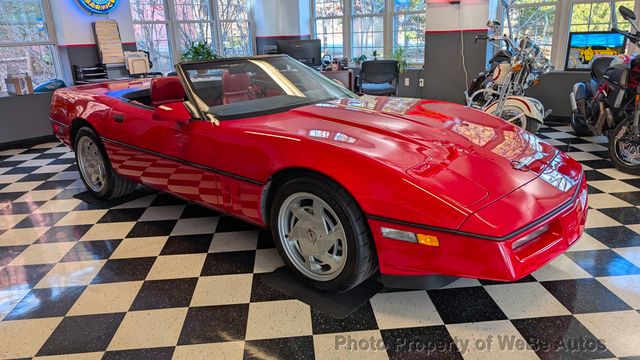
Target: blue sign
point(99, 6)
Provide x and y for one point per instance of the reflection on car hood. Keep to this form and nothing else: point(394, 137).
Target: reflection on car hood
point(439, 144)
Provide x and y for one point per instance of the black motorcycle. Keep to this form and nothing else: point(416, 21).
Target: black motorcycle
point(610, 104)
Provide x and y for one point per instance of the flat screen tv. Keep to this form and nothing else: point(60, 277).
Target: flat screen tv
point(305, 51)
point(583, 47)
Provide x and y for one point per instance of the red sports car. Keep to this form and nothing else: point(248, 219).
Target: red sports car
point(349, 186)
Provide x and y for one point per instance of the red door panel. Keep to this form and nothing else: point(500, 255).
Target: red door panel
point(179, 159)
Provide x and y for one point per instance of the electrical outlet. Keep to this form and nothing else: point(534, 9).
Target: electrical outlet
point(406, 81)
point(421, 82)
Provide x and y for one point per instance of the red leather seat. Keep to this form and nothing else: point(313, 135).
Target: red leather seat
point(235, 87)
point(165, 90)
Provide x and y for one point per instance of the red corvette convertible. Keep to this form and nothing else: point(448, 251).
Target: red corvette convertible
point(349, 185)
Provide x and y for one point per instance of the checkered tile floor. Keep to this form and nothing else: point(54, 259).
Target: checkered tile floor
point(151, 276)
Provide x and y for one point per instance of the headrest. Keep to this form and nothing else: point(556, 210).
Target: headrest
point(165, 90)
point(235, 83)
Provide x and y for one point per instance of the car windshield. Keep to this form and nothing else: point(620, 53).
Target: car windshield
point(238, 88)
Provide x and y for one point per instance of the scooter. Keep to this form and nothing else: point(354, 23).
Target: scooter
point(609, 104)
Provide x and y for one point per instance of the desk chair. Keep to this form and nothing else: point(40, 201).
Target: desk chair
point(378, 77)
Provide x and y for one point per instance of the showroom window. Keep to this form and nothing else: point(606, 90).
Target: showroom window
point(351, 28)
point(598, 16)
point(549, 22)
point(367, 27)
point(193, 21)
point(328, 15)
point(408, 29)
point(235, 27)
point(535, 19)
point(27, 40)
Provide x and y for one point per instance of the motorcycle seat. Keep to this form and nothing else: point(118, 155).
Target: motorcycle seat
point(598, 68)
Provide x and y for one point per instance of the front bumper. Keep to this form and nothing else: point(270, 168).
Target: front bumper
point(465, 255)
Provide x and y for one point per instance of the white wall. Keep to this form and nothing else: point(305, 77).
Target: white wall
point(469, 15)
point(281, 17)
point(73, 23)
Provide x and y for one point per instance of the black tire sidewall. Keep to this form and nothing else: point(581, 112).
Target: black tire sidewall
point(347, 216)
point(108, 183)
point(533, 125)
point(579, 127)
point(613, 154)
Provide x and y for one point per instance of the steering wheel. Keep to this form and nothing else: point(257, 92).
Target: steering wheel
point(326, 60)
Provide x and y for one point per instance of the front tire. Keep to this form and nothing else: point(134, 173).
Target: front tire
point(95, 169)
point(579, 127)
point(526, 122)
point(322, 235)
point(624, 149)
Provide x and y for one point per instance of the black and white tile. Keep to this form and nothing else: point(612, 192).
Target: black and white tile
point(152, 276)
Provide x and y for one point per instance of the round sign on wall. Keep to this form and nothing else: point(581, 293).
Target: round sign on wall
point(99, 6)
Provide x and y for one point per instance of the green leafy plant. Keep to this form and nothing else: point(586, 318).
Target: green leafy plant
point(375, 54)
point(200, 50)
point(358, 60)
point(400, 56)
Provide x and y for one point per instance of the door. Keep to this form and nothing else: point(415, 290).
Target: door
point(155, 153)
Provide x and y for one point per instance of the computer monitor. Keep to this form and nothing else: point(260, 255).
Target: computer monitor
point(305, 51)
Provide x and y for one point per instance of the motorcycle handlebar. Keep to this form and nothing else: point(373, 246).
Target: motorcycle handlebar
point(634, 38)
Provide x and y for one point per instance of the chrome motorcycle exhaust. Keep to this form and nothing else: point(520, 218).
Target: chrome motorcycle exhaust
point(574, 105)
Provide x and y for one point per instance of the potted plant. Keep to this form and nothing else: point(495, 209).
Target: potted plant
point(400, 56)
point(359, 60)
point(375, 54)
point(200, 50)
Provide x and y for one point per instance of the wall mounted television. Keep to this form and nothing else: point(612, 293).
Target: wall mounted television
point(582, 47)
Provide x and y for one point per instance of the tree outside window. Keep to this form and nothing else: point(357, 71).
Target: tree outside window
point(224, 24)
point(26, 45)
point(408, 29)
point(351, 28)
point(600, 16)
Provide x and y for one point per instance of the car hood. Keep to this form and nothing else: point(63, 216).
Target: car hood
point(464, 155)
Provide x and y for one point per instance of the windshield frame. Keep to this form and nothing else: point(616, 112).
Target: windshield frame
point(203, 109)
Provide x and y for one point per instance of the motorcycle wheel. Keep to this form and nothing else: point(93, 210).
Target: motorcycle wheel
point(530, 124)
point(624, 148)
point(579, 127)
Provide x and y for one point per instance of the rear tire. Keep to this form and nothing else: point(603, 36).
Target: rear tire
point(306, 249)
point(96, 170)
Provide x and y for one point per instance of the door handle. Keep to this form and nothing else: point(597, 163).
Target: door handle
point(119, 118)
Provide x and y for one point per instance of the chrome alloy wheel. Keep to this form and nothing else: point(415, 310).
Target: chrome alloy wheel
point(312, 236)
point(627, 147)
point(514, 116)
point(91, 163)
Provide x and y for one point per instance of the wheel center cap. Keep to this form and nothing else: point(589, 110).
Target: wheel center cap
point(311, 235)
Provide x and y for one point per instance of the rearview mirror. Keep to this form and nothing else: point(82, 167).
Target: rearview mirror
point(173, 112)
point(627, 13)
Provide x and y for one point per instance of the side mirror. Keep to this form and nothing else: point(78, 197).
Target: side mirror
point(627, 13)
point(493, 24)
point(173, 112)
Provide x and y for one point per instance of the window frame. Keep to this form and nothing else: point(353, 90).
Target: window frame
point(346, 39)
point(394, 31)
point(172, 24)
point(51, 42)
point(388, 31)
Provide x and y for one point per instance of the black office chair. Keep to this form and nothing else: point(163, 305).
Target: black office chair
point(378, 77)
